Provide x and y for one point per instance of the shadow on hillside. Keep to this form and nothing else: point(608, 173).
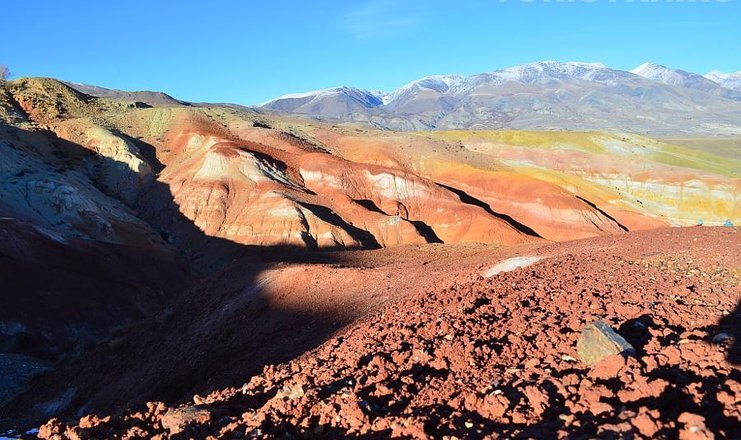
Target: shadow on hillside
point(731, 326)
point(467, 198)
point(209, 328)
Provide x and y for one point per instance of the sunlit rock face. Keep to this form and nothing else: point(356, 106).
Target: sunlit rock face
point(103, 168)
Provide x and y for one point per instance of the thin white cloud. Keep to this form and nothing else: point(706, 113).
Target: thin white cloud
point(378, 19)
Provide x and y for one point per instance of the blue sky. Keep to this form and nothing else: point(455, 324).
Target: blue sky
point(249, 51)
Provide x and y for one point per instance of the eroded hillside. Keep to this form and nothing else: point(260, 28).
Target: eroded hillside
point(267, 181)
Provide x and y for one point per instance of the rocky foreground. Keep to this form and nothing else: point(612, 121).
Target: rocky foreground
point(497, 357)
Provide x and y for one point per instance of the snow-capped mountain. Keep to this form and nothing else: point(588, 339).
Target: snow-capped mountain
point(547, 72)
point(542, 95)
point(666, 75)
point(330, 102)
point(681, 78)
point(728, 80)
point(456, 86)
point(444, 84)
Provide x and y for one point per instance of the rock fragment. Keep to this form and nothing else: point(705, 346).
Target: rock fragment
point(177, 419)
point(291, 392)
point(694, 427)
point(645, 422)
point(608, 367)
point(598, 341)
point(51, 430)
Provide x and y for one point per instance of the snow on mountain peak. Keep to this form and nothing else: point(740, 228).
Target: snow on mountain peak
point(730, 80)
point(660, 73)
point(677, 77)
point(314, 94)
point(566, 67)
point(437, 83)
point(716, 74)
point(647, 67)
point(546, 71)
point(542, 73)
point(298, 95)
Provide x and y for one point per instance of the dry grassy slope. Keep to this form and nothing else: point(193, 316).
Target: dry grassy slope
point(46, 100)
point(721, 146)
point(684, 185)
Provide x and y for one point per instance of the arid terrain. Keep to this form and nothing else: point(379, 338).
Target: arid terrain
point(357, 281)
point(468, 357)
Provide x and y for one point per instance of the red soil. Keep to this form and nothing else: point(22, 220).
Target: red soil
point(496, 357)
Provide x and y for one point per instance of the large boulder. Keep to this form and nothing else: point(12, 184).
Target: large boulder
point(599, 341)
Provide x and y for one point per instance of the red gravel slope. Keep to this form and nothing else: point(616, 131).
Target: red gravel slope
point(496, 357)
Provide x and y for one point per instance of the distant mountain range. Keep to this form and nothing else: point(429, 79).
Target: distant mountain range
point(650, 99)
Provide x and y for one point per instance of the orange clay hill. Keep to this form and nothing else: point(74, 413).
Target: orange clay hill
point(173, 270)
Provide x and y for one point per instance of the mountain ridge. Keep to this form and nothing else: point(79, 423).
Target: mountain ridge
point(540, 95)
point(683, 78)
point(731, 80)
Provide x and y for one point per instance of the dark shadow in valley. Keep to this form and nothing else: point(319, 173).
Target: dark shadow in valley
point(365, 238)
point(425, 231)
point(421, 227)
point(466, 198)
point(146, 151)
point(182, 314)
point(611, 218)
point(369, 205)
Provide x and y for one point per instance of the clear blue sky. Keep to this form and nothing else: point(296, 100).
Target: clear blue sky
point(249, 51)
